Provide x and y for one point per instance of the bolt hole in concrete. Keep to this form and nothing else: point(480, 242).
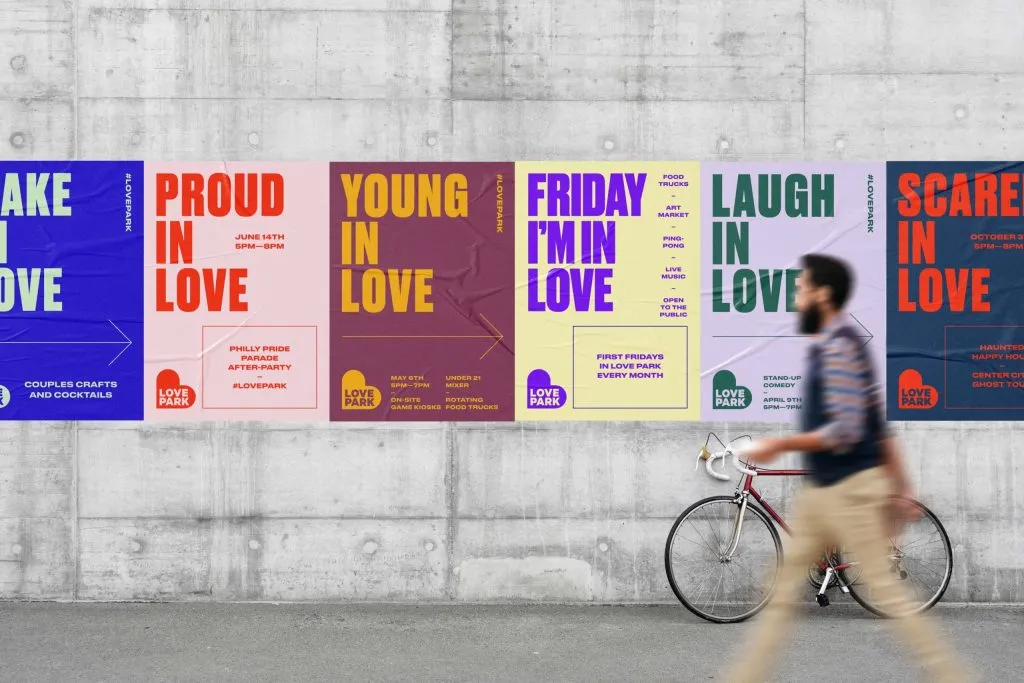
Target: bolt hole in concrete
point(254, 545)
point(18, 62)
point(603, 547)
point(136, 546)
point(960, 113)
point(609, 144)
point(17, 140)
point(723, 145)
point(16, 549)
point(431, 140)
point(369, 548)
point(254, 139)
point(135, 139)
point(840, 144)
point(429, 546)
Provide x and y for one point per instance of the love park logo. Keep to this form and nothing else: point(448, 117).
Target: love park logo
point(541, 393)
point(356, 394)
point(727, 395)
point(914, 393)
point(171, 393)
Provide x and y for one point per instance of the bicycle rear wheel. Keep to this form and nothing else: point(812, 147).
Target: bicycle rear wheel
point(920, 556)
point(719, 588)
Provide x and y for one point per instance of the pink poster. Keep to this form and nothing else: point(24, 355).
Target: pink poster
point(237, 293)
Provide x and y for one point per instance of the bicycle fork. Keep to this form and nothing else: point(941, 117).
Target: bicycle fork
point(736, 528)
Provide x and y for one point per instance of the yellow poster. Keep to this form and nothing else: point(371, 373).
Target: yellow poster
point(607, 291)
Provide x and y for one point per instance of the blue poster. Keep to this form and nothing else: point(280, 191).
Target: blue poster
point(955, 280)
point(71, 290)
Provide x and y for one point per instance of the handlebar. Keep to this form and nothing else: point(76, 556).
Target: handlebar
point(709, 458)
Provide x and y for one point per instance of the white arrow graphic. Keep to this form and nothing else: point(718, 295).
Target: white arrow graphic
point(867, 336)
point(124, 344)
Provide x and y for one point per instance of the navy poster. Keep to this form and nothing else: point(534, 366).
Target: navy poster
point(954, 285)
point(71, 290)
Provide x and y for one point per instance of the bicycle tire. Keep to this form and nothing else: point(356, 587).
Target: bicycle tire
point(671, 575)
point(864, 602)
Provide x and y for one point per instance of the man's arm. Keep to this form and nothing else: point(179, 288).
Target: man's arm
point(892, 461)
point(845, 398)
point(845, 395)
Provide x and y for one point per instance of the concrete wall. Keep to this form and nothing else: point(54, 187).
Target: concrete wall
point(98, 511)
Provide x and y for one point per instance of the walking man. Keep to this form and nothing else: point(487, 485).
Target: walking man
point(854, 464)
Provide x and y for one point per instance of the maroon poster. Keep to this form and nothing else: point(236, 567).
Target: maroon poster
point(422, 291)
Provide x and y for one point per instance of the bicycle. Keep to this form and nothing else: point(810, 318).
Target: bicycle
point(757, 530)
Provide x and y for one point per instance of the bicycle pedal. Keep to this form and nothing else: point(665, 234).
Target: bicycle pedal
point(822, 600)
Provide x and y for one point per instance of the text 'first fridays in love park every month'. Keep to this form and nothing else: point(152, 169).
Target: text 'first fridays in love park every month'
point(496, 291)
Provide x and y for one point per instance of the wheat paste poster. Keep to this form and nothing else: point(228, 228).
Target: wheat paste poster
point(71, 269)
point(759, 219)
point(236, 291)
point(422, 316)
point(956, 264)
point(607, 295)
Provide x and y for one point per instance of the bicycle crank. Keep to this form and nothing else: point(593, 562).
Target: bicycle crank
point(831, 577)
point(816, 571)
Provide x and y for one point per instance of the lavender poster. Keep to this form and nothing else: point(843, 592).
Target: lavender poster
point(758, 220)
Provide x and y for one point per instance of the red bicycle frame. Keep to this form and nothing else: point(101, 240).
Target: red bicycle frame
point(746, 487)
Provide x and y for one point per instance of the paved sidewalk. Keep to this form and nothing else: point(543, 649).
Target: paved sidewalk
point(218, 642)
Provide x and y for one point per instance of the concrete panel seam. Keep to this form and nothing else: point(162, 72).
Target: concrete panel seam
point(451, 52)
point(251, 98)
point(944, 605)
point(248, 519)
point(257, 10)
point(912, 74)
point(76, 575)
point(74, 64)
point(316, 71)
point(451, 69)
point(803, 85)
point(505, 517)
point(519, 101)
point(451, 493)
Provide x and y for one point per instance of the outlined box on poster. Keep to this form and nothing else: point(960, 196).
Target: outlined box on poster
point(646, 390)
point(1019, 340)
point(267, 368)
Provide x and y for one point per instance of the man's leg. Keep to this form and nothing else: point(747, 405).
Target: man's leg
point(773, 625)
point(858, 520)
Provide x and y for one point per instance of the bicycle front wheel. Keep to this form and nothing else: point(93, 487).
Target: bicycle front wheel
point(920, 557)
point(712, 583)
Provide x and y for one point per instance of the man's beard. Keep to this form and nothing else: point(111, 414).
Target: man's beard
point(810, 321)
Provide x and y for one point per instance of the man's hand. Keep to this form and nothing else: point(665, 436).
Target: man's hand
point(762, 452)
point(902, 510)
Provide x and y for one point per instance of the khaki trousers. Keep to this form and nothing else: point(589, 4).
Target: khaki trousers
point(850, 514)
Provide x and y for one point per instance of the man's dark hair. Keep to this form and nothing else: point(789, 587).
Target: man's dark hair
point(827, 271)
